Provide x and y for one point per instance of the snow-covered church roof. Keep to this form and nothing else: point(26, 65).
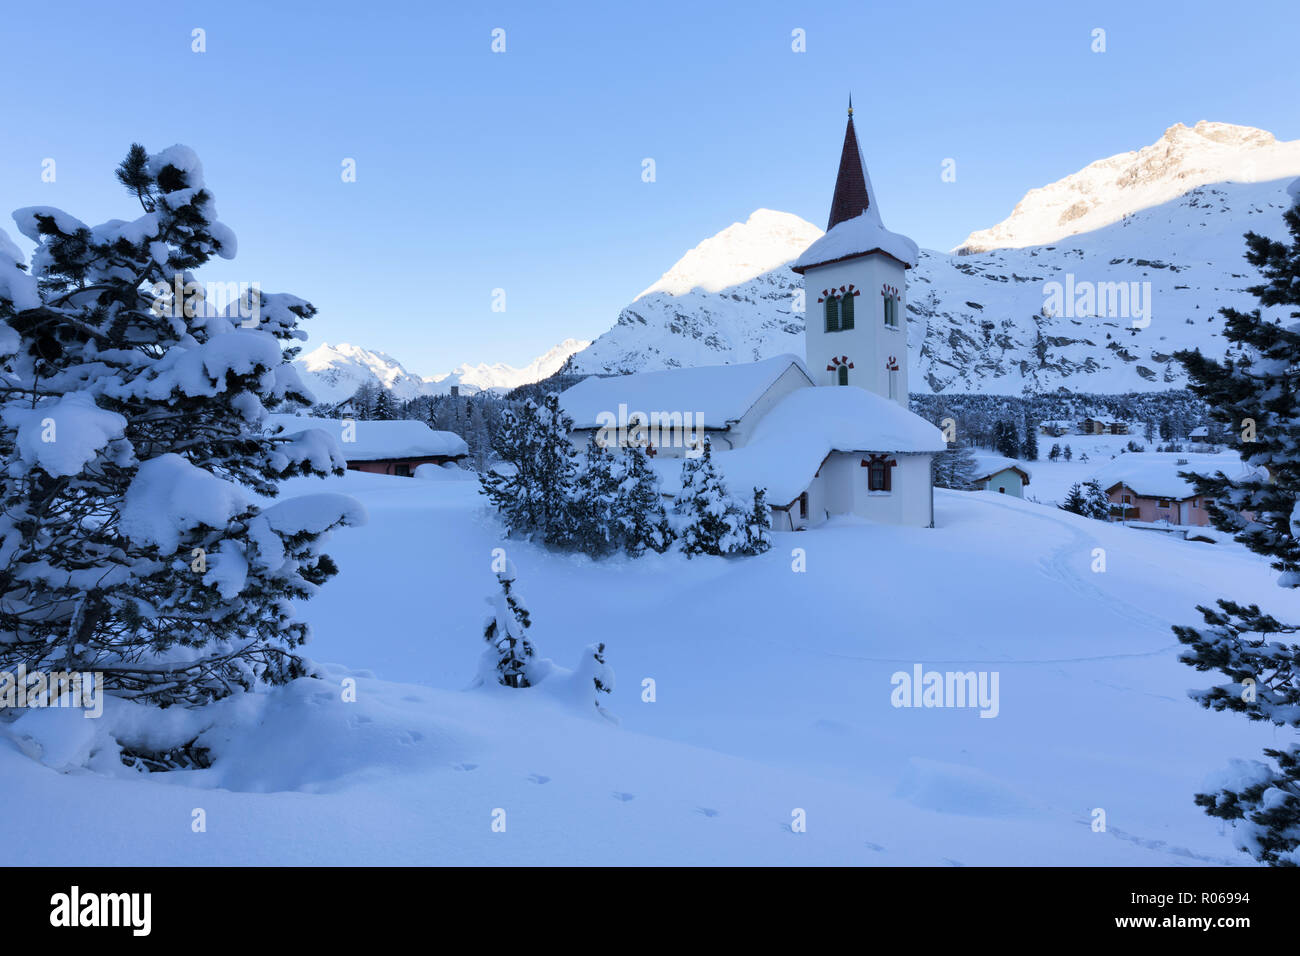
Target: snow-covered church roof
point(379, 441)
point(792, 440)
point(855, 228)
point(720, 393)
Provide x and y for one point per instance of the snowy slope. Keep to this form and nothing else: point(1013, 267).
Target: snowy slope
point(1110, 189)
point(335, 372)
point(977, 322)
point(773, 693)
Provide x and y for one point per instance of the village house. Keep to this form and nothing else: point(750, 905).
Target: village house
point(831, 434)
point(382, 447)
point(1099, 426)
point(1146, 489)
point(1003, 475)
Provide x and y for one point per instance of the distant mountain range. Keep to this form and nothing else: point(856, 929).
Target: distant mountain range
point(980, 319)
point(335, 372)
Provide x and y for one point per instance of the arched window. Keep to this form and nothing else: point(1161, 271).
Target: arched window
point(843, 373)
point(832, 313)
point(893, 383)
point(846, 311)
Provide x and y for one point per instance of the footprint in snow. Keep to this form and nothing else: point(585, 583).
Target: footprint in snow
point(707, 811)
point(625, 797)
point(464, 766)
point(875, 846)
point(538, 778)
point(952, 862)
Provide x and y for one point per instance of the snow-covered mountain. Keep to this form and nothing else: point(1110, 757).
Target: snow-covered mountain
point(335, 372)
point(981, 322)
point(1110, 189)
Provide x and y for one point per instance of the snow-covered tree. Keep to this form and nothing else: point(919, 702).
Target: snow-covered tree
point(132, 423)
point(643, 522)
point(758, 525)
point(385, 408)
point(714, 525)
point(594, 668)
point(509, 652)
point(1068, 453)
point(1088, 500)
point(533, 487)
point(1055, 453)
point(1252, 393)
point(1005, 439)
point(954, 467)
point(594, 526)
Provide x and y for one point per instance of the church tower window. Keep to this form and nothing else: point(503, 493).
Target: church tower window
point(846, 312)
point(832, 313)
point(843, 375)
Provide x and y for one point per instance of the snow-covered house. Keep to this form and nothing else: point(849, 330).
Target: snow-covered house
point(382, 447)
point(1147, 488)
point(1004, 475)
point(832, 435)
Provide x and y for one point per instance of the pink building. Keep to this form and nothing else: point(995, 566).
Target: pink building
point(1146, 487)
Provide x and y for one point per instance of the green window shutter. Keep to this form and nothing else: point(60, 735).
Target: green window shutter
point(846, 312)
point(844, 375)
point(832, 314)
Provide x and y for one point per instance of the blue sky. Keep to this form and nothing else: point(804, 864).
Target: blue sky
point(522, 170)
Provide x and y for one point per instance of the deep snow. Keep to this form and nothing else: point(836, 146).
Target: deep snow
point(773, 692)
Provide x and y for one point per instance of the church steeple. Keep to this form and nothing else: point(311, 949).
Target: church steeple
point(852, 197)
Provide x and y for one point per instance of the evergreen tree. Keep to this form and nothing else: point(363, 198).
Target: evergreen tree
point(1055, 453)
point(1088, 500)
point(954, 468)
point(594, 668)
point(534, 488)
point(509, 653)
point(132, 542)
point(714, 525)
point(1068, 453)
point(595, 528)
point(1252, 394)
point(643, 523)
point(384, 409)
point(1005, 440)
point(1029, 449)
point(758, 525)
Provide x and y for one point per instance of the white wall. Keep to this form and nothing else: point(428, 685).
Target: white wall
point(870, 342)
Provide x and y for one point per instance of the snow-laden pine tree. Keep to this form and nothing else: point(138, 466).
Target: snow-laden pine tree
point(713, 525)
point(643, 521)
point(533, 487)
point(758, 525)
point(594, 527)
point(385, 408)
point(131, 420)
point(954, 467)
point(1087, 499)
point(594, 668)
point(1253, 394)
point(509, 652)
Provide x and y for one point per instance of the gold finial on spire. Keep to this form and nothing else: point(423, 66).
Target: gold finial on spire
point(850, 104)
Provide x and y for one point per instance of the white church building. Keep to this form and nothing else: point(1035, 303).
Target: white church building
point(828, 435)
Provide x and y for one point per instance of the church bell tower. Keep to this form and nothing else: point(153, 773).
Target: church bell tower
point(855, 283)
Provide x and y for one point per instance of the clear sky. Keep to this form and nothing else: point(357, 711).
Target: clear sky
point(522, 170)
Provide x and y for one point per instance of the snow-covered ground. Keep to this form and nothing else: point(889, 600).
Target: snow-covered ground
point(772, 695)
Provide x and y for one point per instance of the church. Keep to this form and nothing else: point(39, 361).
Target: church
point(827, 434)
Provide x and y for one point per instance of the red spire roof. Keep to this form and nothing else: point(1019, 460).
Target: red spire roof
point(851, 195)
